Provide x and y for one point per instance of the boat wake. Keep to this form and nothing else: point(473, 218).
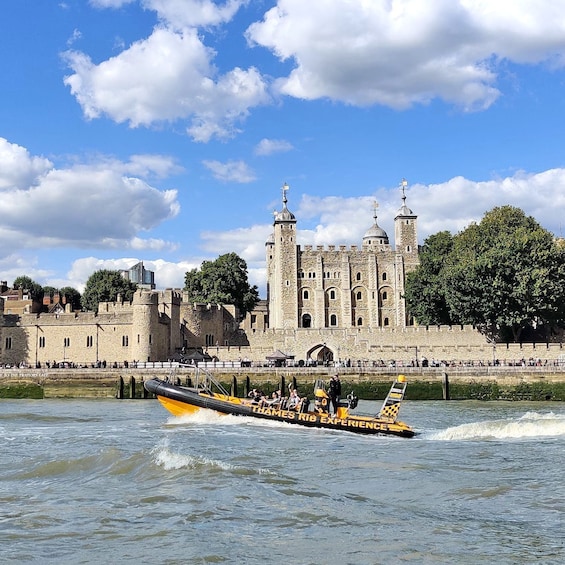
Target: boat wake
point(211, 418)
point(530, 425)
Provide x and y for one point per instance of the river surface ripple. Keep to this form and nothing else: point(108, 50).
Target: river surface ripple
point(108, 481)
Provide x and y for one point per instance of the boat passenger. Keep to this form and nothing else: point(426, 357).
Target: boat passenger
point(256, 396)
point(274, 401)
point(335, 391)
point(294, 400)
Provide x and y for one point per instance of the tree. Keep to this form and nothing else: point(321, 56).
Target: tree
point(104, 286)
point(223, 281)
point(503, 275)
point(425, 289)
point(72, 296)
point(25, 283)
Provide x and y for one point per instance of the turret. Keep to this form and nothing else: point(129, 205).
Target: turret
point(282, 269)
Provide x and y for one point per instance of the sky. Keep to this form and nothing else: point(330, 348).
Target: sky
point(162, 131)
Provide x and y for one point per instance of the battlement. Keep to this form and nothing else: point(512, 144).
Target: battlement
point(337, 249)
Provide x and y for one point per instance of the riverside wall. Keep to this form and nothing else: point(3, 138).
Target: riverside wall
point(549, 380)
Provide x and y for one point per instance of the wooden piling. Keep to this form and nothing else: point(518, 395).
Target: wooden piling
point(445, 386)
point(234, 386)
point(132, 387)
point(120, 393)
point(247, 387)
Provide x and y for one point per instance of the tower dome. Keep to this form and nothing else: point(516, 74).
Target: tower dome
point(375, 235)
point(404, 210)
point(285, 215)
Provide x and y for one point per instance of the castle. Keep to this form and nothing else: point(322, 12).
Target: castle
point(334, 304)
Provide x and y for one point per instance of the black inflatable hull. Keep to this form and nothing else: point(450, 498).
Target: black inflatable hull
point(181, 400)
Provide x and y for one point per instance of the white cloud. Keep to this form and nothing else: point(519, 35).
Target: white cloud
point(110, 3)
point(167, 77)
point(408, 51)
point(18, 169)
point(84, 205)
point(194, 13)
point(231, 171)
point(395, 54)
point(270, 146)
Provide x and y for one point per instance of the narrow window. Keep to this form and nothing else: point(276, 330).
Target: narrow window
point(358, 276)
point(385, 295)
point(359, 295)
point(333, 320)
point(384, 276)
point(359, 321)
point(125, 341)
point(305, 295)
point(386, 322)
point(332, 294)
point(8, 343)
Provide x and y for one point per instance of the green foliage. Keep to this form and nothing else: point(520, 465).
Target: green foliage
point(223, 281)
point(72, 296)
point(27, 284)
point(425, 289)
point(49, 291)
point(104, 286)
point(502, 275)
point(21, 390)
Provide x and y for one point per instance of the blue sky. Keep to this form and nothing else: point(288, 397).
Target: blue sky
point(163, 130)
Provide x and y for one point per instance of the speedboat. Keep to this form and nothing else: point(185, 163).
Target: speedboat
point(209, 394)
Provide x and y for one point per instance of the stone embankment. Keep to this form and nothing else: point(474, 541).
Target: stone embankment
point(425, 383)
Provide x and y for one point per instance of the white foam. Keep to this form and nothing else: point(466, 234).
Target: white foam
point(170, 460)
point(210, 417)
point(530, 425)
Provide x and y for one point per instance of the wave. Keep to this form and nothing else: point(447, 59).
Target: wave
point(530, 425)
point(169, 460)
point(110, 461)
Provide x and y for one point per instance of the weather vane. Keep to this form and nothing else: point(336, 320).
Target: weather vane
point(285, 187)
point(403, 185)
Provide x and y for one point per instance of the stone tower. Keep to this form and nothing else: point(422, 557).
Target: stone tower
point(145, 317)
point(282, 288)
point(406, 242)
point(339, 287)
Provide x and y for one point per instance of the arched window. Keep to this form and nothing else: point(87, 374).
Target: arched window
point(384, 276)
point(332, 294)
point(358, 277)
point(386, 322)
point(359, 321)
point(385, 295)
point(305, 295)
point(333, 320)
point(306, 321)
point(359, 295)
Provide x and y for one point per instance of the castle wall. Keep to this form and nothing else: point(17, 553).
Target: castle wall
point(448, 344)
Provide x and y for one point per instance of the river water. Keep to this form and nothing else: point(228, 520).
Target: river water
point(108, 481)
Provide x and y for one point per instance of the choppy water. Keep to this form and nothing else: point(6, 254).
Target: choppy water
point(122, 481)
